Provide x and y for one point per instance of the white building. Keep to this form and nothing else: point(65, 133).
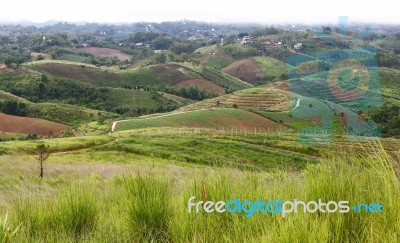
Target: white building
point(298, 46)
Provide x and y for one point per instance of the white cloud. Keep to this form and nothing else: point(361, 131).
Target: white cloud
point(309, 11)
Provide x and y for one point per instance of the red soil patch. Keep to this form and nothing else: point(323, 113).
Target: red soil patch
point(201, 84)
point(245, 70)
point(105, 52)
point(76, 72)
point(173, 74)
point(25, 125)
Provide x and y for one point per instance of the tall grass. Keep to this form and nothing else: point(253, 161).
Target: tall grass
point(149, 209)
point(152, 206)
point(7, 232)
point(71, 214)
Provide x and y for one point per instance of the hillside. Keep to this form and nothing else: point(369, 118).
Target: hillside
point(159, 77)
point(257, 70)
point(23, 125)
point(218, 118)
point(45, 88)
point(105, 52)
point(259, 98)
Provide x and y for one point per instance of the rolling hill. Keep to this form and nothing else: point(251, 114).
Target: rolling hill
point(257, 70)
point(105, 52)
point(218, 118)
point(24, 125)
point(259, 98)
point(158, 77)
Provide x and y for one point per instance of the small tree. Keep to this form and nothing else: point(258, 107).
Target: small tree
point(42, 154)
point(8, 62)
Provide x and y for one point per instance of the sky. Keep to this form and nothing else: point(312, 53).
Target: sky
point(267, 11)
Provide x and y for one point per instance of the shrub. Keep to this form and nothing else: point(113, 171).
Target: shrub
point(149, 207)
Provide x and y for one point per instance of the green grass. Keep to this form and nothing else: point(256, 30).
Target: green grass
point(149, 203)
point(221, 151)
point(223, 79)
point(55, 145)
point(10, 135)
point(150, 208)
point(133, 99)
point(272, 67)
point(66, 114)
point(217, 118)
point(218, 62)
point(206, 49)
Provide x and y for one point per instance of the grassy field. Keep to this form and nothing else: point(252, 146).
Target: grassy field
point(257, 70)
point(135, 186)
point(259, 98)
point(272, 67)
point(156, 76)
point(218, 118)
point(105, 52)
point(149, 100)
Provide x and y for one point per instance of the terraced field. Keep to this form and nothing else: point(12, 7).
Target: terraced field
point(267, 99)
point(219, 118)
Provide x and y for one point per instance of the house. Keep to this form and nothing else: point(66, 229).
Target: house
point(247, 40)
point(85, 45)
point(298, 46)
point(139, 44)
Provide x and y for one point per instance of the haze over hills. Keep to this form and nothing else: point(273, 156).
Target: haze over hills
point(107, 131)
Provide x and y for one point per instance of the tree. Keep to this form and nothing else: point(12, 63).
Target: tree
point(42, 154)
point(8, 62)
point(160, 58)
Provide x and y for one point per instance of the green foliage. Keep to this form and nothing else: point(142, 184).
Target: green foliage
point(143, 36)
point(72, 214)
point(388, 117)
point(160, 58)
point(150, 208)
point(217, 62)
point(42, 154)
point(162, 42)
point(13, 107)
point(78, 211)
point(179, 48)
point(7, 232)
point(193, 93)
point(239, 51)
point(388, 59)
point(43, 88)
point(228, 82)
point(264, 32)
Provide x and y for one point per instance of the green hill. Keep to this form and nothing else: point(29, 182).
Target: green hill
point(219, 118)
point(257, 70)
point(259, 98)
point(158, 77)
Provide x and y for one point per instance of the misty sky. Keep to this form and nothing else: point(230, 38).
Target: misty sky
point(271, 11)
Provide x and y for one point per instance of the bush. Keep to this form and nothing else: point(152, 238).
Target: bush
point(149, 208)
